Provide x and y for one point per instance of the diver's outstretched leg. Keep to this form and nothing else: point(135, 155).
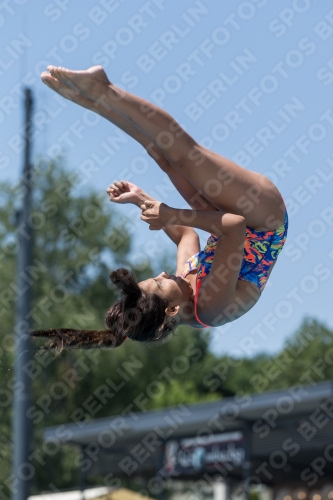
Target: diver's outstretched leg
point(184, 187)
point(223, 182)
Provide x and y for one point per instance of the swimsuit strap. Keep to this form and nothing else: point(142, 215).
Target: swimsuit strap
point(195, 304)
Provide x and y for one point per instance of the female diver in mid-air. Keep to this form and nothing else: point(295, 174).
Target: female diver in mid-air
point(243, 210)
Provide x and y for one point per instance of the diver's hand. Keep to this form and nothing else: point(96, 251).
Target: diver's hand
point(126, 192)
point(157, 214)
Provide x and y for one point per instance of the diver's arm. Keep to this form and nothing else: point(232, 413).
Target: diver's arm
point(126, 192)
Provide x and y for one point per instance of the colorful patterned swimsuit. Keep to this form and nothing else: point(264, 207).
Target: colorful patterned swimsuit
point(261, 249)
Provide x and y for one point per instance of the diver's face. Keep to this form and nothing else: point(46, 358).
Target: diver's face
point(169, 287)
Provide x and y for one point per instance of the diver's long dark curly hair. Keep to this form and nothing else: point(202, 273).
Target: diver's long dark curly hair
point(137, 315)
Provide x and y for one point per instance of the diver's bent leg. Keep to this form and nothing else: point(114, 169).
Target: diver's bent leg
point(222, 182)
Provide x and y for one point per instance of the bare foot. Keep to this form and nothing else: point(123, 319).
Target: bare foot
point(81, 81)
point(65, 91)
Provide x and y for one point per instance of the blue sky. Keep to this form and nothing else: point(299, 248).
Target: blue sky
point(252, 80)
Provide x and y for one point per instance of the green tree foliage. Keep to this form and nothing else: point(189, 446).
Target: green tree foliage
point(77, 243)
point(7, 276)
point(306, 358)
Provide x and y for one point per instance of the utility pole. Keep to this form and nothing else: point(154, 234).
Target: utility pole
point(23, 470)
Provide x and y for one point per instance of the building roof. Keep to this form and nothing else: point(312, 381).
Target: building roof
point(268, 421)
point(183, 420)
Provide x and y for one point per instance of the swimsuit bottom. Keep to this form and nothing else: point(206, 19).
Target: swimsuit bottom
point(261, 249)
